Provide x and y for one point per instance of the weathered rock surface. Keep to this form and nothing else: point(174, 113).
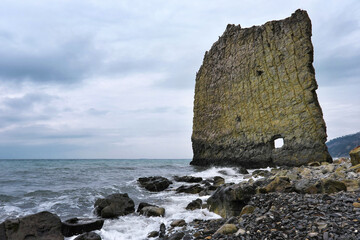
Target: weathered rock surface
point(256, 85)
point(154, 184)
point(114, 205)
point(75, 226)
point(355, 156)
point(40, 226)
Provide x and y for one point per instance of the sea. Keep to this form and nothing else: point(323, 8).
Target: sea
point(70, 187)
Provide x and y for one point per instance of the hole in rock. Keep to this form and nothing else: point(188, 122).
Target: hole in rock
point(279, 142)
point(259, 72)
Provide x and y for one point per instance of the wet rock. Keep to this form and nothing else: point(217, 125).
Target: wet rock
point(162, 230)
point(355, 156)
point(144, 204)
point(242, 170)
point(88, 236)
point(227, 229)
point(192, 189)
point(228, 200)
point(39, 226)
point(218, 181)
point(153, 234)
point(176, 236)
point(196, 204)
point(114, 205)
point(75, 226)
point(178, 223)
point(154, 184)
point(153, 211)
point(188, 179)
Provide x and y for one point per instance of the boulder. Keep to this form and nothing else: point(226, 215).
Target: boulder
point(326, 185)
point(114, 205)
point(39, 226)
point(76, 226)
point(227, 229)
point(88, 236)
point(153, 211)
point(153, 234)
point(228, 200)
point(154, 184)
point(192, 189)
point(178, 223)
point(144, 204)
point(188, 179)
point(248, 209)
point(355, 156)
point(196, 204)
point(218, 181)
point(279, 184)
point(352, 185)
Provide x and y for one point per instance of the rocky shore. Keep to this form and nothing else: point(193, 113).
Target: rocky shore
point(317, 201)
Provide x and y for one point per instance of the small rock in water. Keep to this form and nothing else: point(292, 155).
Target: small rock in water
point(154, 184)
point(193, 189)
point(75, 226)
point(218, 181)
point(153, 211)
point(188, 179)
point(88, 236)
point(162, 230)
point(178, 223)
point(242, 170)
point(114, 205)
point(196, 204)
point(176, 236)
point(153, 234)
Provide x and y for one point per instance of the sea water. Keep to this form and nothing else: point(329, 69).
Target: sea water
point(70, 187)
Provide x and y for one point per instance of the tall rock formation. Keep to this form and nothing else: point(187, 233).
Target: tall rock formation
point(257, 85)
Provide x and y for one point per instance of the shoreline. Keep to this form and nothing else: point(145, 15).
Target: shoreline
point(278, 194)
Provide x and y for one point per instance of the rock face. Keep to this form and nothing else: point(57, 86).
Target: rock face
point(257, 85)
point(41, 226)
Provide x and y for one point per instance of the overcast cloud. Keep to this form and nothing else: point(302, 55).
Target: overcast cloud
point(115, 79)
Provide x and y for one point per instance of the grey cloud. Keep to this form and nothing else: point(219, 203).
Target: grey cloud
point(68, 62)
point(338, 69)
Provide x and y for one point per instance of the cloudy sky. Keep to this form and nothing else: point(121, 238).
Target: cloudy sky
point(115, 79)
